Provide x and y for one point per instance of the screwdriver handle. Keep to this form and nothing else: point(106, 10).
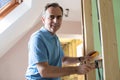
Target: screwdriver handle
point(93, 54)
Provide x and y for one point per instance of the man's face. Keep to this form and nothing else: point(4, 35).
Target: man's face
point(52, 19)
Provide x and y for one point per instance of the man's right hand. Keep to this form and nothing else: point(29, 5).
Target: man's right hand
point(85, 68)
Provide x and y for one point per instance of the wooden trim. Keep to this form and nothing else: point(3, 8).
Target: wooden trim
point(88, 33)
point(6, 11)
point(9, 7)
point(109, 43)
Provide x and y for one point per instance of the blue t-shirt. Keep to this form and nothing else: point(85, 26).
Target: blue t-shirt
point(43, 47)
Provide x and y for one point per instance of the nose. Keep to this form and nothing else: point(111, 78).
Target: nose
point(55, 20)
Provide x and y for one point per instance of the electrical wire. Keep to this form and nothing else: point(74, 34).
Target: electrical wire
point(98, 69)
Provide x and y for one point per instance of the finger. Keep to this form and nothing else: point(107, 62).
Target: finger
point(88, 58)
point(93, 65)
point(90, 66)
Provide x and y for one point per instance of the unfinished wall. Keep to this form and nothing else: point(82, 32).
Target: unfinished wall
point(96, 28)
point(116, 7)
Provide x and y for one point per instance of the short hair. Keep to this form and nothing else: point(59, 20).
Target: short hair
point(53, 5)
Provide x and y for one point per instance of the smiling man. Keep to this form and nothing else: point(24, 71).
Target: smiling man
point(45, 53)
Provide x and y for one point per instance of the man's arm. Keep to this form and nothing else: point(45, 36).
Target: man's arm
point(48, 71)
point(73, 60)
point(70, 60)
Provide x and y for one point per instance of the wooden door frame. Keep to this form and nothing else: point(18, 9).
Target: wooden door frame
point(108, 38)
point(88, 42)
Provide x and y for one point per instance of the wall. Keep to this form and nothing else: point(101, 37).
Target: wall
point(14, 63)
point(116, 7)
point(70, 28)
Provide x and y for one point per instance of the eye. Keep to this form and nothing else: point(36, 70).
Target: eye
point(52, 17)
point(59, 17)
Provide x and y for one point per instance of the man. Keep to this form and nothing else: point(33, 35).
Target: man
point(45, 53)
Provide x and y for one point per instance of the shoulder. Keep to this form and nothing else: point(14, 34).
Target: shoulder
point(36, 34)
point(36, 37)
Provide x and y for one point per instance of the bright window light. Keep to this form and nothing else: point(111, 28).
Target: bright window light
point(4, 3)
point(7, 6)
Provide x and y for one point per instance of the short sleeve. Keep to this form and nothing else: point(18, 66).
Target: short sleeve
point(37, 50)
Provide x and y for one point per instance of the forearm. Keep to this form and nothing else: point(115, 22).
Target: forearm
point(70, 60)
point(48, 71)
point(53, 71)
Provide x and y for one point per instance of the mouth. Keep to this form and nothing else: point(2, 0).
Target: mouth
point(55, 26)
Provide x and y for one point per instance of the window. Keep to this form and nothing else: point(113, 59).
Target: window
point(7, 5)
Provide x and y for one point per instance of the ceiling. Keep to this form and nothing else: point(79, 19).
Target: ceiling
point(73, 6)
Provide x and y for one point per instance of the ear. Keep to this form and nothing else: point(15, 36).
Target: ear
point(43, 19)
